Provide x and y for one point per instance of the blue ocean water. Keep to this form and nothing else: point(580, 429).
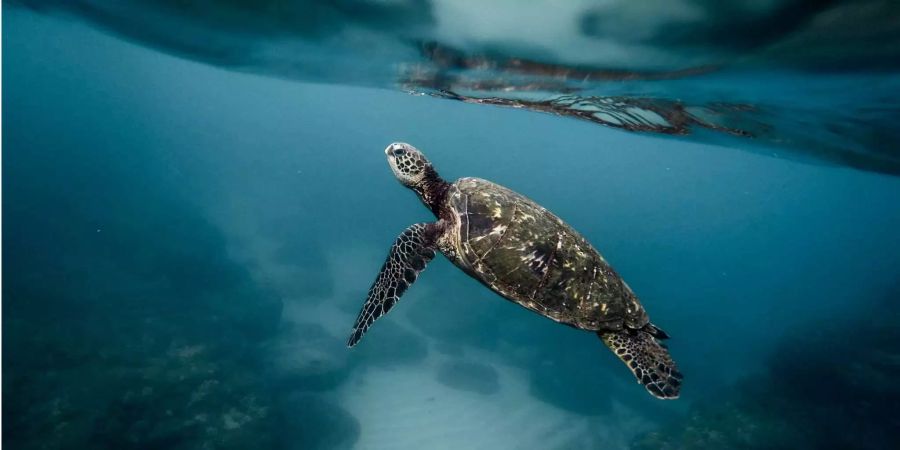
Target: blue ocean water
point(187, 241)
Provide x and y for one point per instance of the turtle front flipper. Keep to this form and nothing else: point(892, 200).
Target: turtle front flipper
point(647, 358)
point(410, 253)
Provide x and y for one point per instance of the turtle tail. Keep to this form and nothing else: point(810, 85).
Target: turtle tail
point(648, 359)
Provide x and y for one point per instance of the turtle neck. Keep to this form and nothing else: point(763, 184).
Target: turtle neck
point(432, 190)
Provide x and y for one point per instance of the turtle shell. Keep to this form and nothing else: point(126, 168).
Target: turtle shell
point(531, 257)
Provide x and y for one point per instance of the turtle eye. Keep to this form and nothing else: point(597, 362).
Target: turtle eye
point(399, 152)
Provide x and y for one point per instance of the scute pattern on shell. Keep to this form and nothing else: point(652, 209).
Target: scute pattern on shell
point(530, 256)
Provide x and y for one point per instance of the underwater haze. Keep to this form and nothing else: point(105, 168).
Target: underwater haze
point(196, 201)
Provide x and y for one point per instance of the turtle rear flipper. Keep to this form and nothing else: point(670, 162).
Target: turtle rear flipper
point(647, 358)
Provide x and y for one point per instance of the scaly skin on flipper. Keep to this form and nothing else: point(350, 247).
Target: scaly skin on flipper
point(647, 359)
point(409, 255)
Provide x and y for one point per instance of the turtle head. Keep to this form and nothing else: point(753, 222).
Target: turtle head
point(414, 171)
point(409, 164)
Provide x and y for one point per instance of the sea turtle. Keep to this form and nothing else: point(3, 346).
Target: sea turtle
point(527, 255)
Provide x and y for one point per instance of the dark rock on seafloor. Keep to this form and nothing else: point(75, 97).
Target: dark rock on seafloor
point(305, 357)
point(577, 389)
point(314, 422)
